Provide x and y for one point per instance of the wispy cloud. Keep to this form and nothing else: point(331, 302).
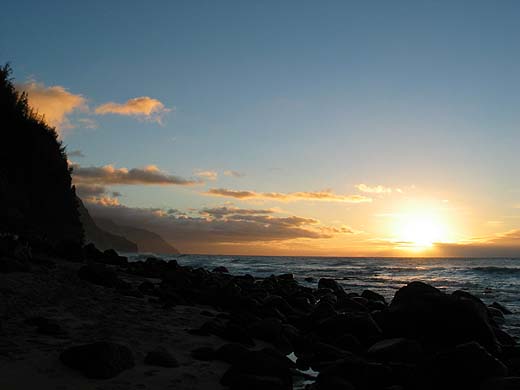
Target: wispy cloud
point(224, 211)
point(75, 153)
point(208, 175)
point(377, 189)
point(324, 196)
point(142, 107)
point(233, 173)
point(55, 103)
point(110, 175)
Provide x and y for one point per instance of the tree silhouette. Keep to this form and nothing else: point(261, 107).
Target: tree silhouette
point(37, 199)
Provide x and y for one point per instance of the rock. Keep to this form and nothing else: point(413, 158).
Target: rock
point(99, 274)
point(110, 256)
point(503, 338)
point(268, 329)
point(239, 381)
point(361, 373)
point(348, 304)
point(396, 350)
point(324, 354)
point(310, 279)
point(221, 269)
point(100, 360)
point(348, 342)
point(92, 253)
point(333, 383)
point(330, 284)
point(504, 383)
point(203, 353)
point(160, 357)
point(373, 296)
point(500, 307)
point(423, 313)
point(147, 288)
point(264, 363)
point(277, 302)
point(231, 353)
point(464, 366)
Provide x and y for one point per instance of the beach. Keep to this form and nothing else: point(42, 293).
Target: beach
point(219, 330)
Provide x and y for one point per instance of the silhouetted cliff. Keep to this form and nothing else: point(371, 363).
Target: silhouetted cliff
point(36, 195)
point(101, 238)
point(146, 240)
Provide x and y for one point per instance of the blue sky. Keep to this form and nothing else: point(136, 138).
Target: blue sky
point(297, 95)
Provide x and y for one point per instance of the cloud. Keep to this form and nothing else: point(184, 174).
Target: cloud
point(506, 244)
point(85, 191)
point(325, 196)
point(55, 103)
point(87, 123)
point(143, 107)
point(110, 175)
point(75, 153)
point(379, 189)
point(224, 211)
point(234, 173)
point(198, 233)
point(208, 175)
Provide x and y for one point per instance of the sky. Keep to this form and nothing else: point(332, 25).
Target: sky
point(330, 128)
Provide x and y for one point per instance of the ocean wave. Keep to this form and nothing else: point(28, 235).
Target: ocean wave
point(496, 270)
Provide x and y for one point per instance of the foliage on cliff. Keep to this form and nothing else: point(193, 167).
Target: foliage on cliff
point(36, 195)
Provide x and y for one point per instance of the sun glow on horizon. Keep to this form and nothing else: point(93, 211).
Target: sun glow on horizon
point(420, 230)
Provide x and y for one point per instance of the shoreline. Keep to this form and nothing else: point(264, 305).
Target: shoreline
point(235, 331)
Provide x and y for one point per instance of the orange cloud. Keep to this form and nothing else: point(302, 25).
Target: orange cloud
point(325, 196)
point(55, 103)
point(143, 106)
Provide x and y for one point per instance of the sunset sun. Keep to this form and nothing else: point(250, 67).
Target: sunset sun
point(417, 231)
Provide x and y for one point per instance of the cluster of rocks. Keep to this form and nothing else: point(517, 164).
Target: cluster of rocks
point(423, 339)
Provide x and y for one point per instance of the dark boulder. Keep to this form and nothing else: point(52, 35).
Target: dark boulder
point(237, 380)
point(161, 357)
point(268, 329)
point(504, 383)
point(424, 313)
point(221, 269)
point(110, 256)
point(100, 360)
point(92, 253)
point(333, 383)
point(264, 363)
point(147, 288)
point(465, 366)
point(373, 296)
point(330, 284)
point(396, 350)
point(231, 353)
point(502, 308)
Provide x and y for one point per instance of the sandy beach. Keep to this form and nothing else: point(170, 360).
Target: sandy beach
point(87, 313)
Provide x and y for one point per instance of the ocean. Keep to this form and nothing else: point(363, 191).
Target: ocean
point(492, 280)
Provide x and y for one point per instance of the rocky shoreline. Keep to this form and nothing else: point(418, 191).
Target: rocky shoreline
point(76, 317)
